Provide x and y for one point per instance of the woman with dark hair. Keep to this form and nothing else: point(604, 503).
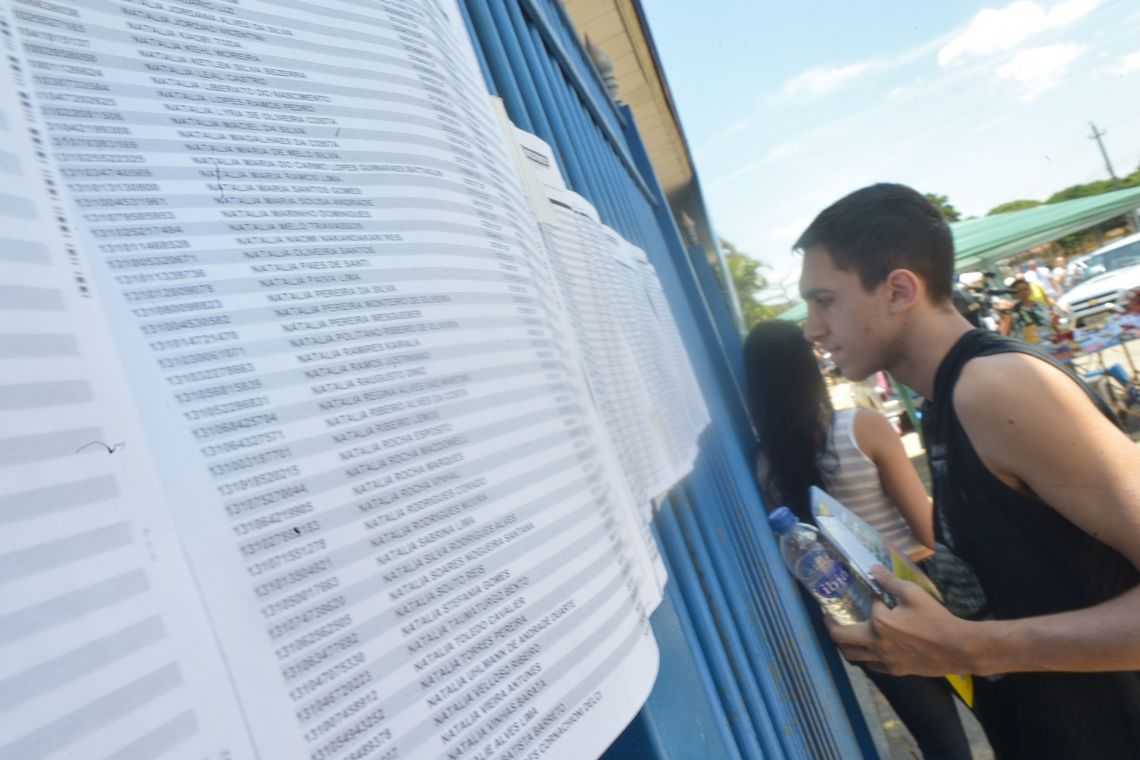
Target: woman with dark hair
point(857, 457)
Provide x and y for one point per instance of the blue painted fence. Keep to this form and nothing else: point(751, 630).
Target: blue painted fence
point(743, 673)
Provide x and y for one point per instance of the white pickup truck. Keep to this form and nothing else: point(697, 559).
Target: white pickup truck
point(1109, 273)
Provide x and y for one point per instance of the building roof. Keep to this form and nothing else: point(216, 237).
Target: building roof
point(618, 28)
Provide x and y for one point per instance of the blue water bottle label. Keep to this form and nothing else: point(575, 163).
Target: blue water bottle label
point(834, 579)
point(834, 582)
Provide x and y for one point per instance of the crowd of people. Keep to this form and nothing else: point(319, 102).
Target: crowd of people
point(1027, 305)
point(1033, 535)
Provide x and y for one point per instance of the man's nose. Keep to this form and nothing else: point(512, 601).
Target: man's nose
point(814, 328)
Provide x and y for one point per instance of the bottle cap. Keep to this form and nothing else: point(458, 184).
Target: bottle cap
point(781, 519)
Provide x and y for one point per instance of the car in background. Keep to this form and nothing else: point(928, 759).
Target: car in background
point(1108, 274)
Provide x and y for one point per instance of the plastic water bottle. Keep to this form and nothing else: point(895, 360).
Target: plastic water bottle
point(822, 572)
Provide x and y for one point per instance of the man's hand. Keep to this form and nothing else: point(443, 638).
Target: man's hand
point(918, 637)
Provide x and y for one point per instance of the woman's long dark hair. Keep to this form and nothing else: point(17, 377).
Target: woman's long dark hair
point(790, 408)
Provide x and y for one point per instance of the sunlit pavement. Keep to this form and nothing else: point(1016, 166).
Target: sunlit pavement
point(891, 738)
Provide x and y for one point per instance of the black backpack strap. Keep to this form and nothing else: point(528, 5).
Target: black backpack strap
point(1007, 346)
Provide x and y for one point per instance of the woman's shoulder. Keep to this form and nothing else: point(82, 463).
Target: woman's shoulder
point(844, 417)
point(869, 427)
point(861, 419)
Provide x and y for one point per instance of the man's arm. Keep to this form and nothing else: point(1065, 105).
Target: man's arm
point(1037, 432)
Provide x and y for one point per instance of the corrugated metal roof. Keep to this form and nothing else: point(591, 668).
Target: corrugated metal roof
point(980, 242)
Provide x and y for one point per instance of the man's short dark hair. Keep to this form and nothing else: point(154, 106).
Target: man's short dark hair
point(882, 228)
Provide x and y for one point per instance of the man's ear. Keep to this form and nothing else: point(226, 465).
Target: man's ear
point(904, 289)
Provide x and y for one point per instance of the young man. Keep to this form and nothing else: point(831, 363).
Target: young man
point(1034, 487)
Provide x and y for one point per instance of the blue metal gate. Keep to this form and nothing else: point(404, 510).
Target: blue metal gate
point(742, 673)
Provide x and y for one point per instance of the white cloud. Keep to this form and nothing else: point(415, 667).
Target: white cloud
point(723, 134)
point(775, 154)
point(1068, 12)
point(906, 90)
point(898, 92)
point(1040, 69)
point(994, 30)
point(1128, 64)
point(824, 79)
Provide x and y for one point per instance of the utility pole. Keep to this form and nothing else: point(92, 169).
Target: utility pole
point(1132, 216)
point(1096, 135)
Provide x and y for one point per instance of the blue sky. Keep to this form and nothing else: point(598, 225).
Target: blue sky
point(788, 106)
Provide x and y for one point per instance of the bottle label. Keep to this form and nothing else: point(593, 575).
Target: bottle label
point(832, 577)
point(834, 582)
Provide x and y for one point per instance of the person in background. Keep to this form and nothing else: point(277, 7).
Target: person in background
point(857, 457)
point(1035, 488)
point(1132, 302)
point(1129, 318)
point(1026, 319)
point(968, 304)
point(1060, 276)
point(1043, 276)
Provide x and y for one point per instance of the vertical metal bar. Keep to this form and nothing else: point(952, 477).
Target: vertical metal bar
point(686, 576)
point(572, 111)
point(559, 20)
point(716, 581)
point(817, 691)
point(806, 657)
point(730, 294)
point(723, 550)
point(586, 185)
point(691, 727)
point(557, 41)
point(537, 80)
point(613, 179)
point(610, 183)
point(500, 67)
point(763, 593)
point(619, 181)
point(521, 65)
point(722, 318)
point(575, 176)
point(480, 56)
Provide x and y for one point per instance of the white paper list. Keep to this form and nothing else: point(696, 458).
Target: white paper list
point(631, 348)
point(101, 633)
point(676, 396)
point(319, 266)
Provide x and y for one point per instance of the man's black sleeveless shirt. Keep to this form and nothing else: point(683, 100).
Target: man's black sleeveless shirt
point(1030, 561)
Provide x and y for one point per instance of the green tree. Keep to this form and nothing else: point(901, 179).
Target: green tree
point(1085, 190)
point(1082, 242)
point(1002, 208)
point(1079, 242)
point(942, 203)
point(1095, 188)
point(746, 280)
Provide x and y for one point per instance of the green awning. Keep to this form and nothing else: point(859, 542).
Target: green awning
point(979, 243)
point(797, 313)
